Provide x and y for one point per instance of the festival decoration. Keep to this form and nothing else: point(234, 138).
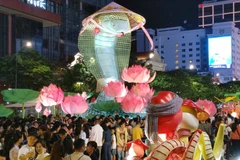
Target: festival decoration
point(38, 107)
point(178, 147)
point(4, 111)
point(105, 41)
point(143, 90)
point(46, 112)
point(19, 96)
point(207, 106)
point(51, 95)
point(132, 103)
point(136, 149)
point(107, 106)
point(115, 89)
point(75, 104)
point(137, 74)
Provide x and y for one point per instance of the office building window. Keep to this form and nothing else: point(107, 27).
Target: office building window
point(162, 46)
point(190, 49)
point(197, 55)
point(176, 56)
point(176, 45)
point(183, 50)
point(176, 50)
point(208, 10)
point(162, 52)
point(197, 49)
point(52, 6)
point(183, 61)
point(197, 60)
point(183, 67)
point(183, 56)
point(237, 6)
point(228, 8)
point(190, 44)
point(183, 44)
point(218, 9)
point(190, 55)
point(177, 67)
point(190, 61)
point(197, 43)
point(208, 20)
point(176, 62)
point(198, 66)
point(228, 17)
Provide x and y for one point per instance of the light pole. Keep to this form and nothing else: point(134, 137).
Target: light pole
point(28, 45)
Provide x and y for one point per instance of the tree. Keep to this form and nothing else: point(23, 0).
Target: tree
point(26, 69)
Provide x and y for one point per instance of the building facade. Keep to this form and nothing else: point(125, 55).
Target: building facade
point(215, 11)
point(60, 42)
point(22, 21)
point(191, 49)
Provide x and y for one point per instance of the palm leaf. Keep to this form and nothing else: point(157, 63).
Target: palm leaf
point(107, 106)
point(5, 112)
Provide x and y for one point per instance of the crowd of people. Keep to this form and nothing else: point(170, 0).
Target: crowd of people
point(231, 132)
point(99, 138)
point(68, 137)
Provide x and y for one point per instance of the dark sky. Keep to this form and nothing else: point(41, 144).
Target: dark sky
point(165, 13)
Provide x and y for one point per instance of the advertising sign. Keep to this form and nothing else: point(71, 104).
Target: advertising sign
point(38, 3)
point(220, 52)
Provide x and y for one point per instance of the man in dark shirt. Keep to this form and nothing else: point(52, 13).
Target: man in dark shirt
point(66, 140)
point(91, 150)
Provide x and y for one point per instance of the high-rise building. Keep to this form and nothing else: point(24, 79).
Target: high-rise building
point(60, 42)
point(215, 11)
point(22, 21)
point(215, 49)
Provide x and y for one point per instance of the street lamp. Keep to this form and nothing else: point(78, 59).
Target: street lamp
point(28, 45)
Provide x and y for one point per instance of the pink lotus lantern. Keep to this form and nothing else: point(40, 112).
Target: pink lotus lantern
point(74, 104)
point(207, 106)
point(143, 90)
point(137, 74)
point(38, 107)
point(115, 89)
point(132, 103)
point(46, 112)
point(51, 95)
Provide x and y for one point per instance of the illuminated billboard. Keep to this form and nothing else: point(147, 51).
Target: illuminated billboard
point(220, 52)
point(38, 3)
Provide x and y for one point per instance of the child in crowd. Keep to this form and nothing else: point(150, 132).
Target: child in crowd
point(121, 149)
point(114, 144)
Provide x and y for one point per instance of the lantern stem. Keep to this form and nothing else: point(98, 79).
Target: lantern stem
point(54, 110)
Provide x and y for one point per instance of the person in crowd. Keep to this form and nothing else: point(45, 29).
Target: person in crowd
point(27, 152)
point(79, 148)
point(66, 140)
point(12, 144)
point(40, 149)
point(204, 127)
point(122, 138)
point(137, 132)
point(106, 139)
point(96, 134)
point(113, 144)
point(92, 150)
point(83, 134)
point(54, 133)
point(235, 137)
point(127, 120)
point(227, 133)
point(57, 152)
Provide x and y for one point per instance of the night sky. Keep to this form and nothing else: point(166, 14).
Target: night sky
point(165, 13)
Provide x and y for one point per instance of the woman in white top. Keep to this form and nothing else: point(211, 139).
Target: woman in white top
point(40, 147)
point(12, 142)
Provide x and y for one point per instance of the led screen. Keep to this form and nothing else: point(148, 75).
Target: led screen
point(220, 52)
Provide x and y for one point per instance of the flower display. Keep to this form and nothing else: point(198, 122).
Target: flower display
point(137, 74)
point(132, 103)
point(51, 95)
point(74, 104)
point(143, 90)
point(207, 106)
point(115, 89)
point(38, 107)
point(46, 112)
